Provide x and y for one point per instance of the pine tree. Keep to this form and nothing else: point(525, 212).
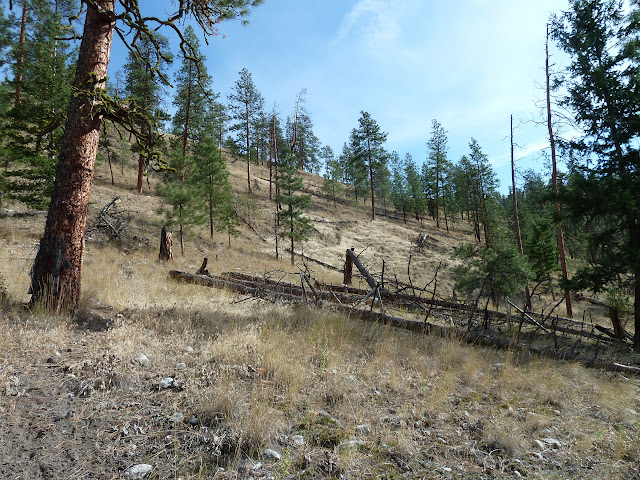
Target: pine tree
point(145, 80)
point(295, 225)
point(32, 129)
point(436, 165)
point(331, 185)
point(417, 199)
point(354, 169)
point(56, 272)
point(400, 193)
point(211, 182)
point(368, 141)
point(192, 100)
point(603, 93)
point(245, 104)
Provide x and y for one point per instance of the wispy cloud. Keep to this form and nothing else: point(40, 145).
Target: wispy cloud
point(376, 20)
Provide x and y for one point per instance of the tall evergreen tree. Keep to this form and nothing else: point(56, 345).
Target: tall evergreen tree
point(192, 100)
point(56, 272)
point(31, 130)
point(144, 84)
point(211, 182)
point(354, 168)
point(368, 142)
point(333, 174)
point(417, 200)
point(436, 164)
point(245, 105)
point(603, 93)
point(400, 193)
point(295, 225)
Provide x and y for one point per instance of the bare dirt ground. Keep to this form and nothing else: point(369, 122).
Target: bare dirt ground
point(333, 397)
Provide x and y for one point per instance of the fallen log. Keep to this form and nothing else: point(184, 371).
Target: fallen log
point(421, 327)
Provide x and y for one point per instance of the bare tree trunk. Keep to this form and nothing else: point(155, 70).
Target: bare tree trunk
point(248, 150)
point(554, 179)
point(110, 167)
point(56, 272)
point(438, 188)
point(516, 216)
point(373, 197)
point(271, 148)
point(166, 246)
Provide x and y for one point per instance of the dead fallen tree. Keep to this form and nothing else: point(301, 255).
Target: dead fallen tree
point(268, 290)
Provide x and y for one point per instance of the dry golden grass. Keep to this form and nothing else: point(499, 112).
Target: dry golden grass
point(253, 373)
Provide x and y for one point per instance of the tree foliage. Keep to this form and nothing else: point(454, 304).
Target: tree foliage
point(603, 95)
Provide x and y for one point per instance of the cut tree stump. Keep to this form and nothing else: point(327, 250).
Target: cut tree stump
point(166, 246)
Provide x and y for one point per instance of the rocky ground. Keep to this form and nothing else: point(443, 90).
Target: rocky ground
point(168, 395)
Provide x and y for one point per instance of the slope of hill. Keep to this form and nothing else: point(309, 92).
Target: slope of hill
point(262, 389)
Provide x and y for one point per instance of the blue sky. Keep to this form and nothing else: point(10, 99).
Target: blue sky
point(470, 64)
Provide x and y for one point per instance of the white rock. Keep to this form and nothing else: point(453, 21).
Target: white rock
point(553, 442)
point(539, 444)
point(351, 444)
point(143, 360)
point(139, 471)
point(269, 454)
point(188, 349)
point(166, 383)
point(298, 440)
point(363, 429)
point(176, 417)
point(181, 366)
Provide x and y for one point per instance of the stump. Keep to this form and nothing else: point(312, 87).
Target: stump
point(203, 268)
point(166, 246)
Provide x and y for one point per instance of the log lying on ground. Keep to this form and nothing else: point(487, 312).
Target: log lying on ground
point(346, 294)
point(478, 338)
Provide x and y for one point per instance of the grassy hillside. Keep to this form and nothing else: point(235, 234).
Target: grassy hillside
point(333, 396)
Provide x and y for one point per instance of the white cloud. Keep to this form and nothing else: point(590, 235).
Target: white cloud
point(376, 20)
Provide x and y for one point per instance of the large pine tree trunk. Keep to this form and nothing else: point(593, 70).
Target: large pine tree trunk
point(55, 277)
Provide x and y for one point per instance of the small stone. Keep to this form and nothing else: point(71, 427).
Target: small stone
point(181, 366)
point(269, 454)
point(446, 470)
point(539, 444)
point(166, 383)
point(193, 421)
point(138, 472)
point(176, 417)
point(188, 349)
point(553, 442)
point(143, 360)
point(298, 440)
point(557, 412)
point(363, 429)
point(327, 416)
point(351, 444)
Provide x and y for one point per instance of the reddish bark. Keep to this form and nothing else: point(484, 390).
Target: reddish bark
point(56, 273)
